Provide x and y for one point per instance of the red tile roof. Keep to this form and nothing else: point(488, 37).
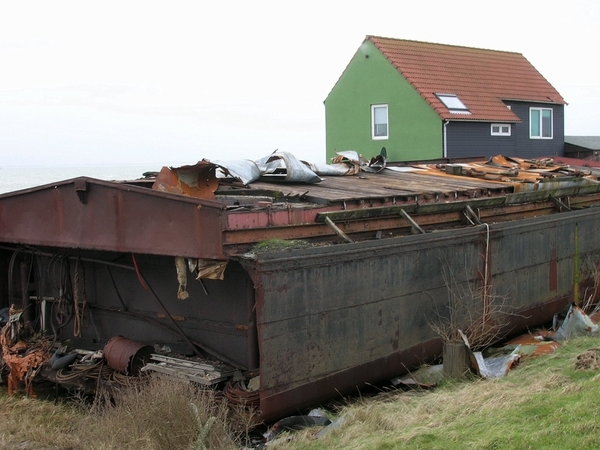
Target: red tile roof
point(480, 78)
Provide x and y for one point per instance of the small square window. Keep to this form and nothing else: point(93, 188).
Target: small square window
point(501, 129)
point(379, 122)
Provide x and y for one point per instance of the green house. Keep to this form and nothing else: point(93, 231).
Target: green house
point(426, 101)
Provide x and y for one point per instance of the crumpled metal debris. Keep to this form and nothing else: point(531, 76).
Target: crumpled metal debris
point(575, 323)
point(198, 180)
point(425, 377)
point(499, 362)
point(497, 365)
point(357, 162)
point(244, 170)
point(23, 357)
point(294, 423)
point(336, 424)
point(283, 166)
point(202, 179)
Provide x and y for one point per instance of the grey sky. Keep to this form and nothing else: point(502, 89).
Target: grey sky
point(172, 83)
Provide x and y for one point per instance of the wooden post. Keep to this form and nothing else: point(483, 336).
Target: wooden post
point(456, 359)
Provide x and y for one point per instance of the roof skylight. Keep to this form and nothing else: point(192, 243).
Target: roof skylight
point(453, 103)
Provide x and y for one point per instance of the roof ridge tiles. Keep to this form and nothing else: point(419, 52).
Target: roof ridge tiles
point(456, 46)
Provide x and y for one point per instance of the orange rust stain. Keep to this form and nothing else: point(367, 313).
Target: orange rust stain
point(543, 347)
point(200, 181)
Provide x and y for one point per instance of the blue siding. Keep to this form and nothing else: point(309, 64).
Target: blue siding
point(468, 139)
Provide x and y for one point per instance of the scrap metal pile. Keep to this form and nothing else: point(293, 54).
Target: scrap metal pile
point(23, 353)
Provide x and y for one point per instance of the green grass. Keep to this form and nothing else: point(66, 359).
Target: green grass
point(271, 245)
point(543, 403)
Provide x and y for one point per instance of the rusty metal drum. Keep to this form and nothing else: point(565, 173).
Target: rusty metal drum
point(125, 355)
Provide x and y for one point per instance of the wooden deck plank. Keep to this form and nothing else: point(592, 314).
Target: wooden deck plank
point(381, 185)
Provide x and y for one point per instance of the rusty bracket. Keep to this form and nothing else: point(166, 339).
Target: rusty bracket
point(81, 189)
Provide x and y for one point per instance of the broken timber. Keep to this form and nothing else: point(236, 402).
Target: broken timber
point(201, 373)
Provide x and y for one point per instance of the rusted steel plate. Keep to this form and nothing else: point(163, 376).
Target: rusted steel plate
point(254, 227)
point(327, 317)
point(100, 215)
point(276, 404)
point(198, 180)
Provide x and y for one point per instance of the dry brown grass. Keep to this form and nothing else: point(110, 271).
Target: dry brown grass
point(161, 414)
point(37, 424)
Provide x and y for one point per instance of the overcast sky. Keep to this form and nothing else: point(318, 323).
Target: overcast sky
point(174, 82)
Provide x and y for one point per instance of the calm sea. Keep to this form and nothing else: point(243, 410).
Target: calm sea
point(16, 178)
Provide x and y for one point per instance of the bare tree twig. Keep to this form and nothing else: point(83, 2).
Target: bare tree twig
point(479, 314)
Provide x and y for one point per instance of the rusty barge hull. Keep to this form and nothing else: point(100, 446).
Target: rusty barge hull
point(314, 322)
point(362, 312)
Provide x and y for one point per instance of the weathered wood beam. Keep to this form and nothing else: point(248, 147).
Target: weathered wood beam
point(470, 213)
point(337, 230)
point(559, 205)
point(414, 225)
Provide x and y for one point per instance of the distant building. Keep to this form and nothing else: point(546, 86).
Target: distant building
point(425, 101)
point(583, 147)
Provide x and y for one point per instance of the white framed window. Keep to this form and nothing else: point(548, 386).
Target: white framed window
point(540, 123)
point(379, 122)
point(453, 103)
point(500, 129)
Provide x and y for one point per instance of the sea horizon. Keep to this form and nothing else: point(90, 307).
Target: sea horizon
point(15, 178)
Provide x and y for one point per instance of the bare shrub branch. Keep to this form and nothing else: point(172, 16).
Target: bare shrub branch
point(591, 300)
point(474, 311)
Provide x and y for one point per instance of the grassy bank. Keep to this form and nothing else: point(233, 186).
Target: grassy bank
point(544, 403)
